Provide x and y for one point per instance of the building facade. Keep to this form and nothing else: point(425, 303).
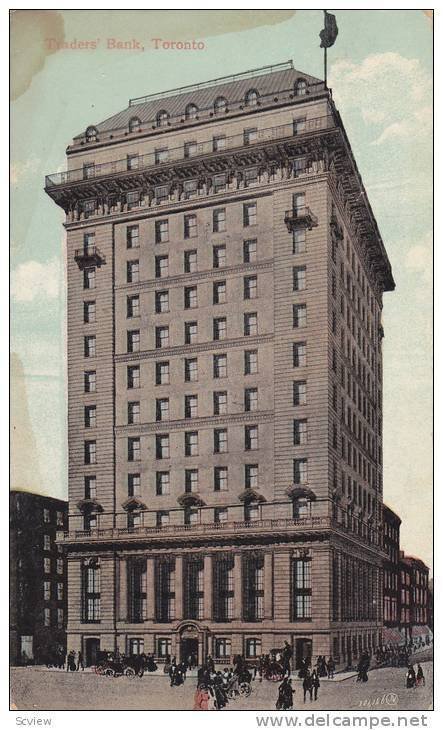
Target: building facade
point(414, 600)
point(225, 282)
point(391, 578)
point(38, 577)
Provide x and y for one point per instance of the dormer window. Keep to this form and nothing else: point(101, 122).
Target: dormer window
point(251, 98)
point(91, 134)
point(162, 118)
point(220, 105)
point(301, 87)
point(191, 111)
point(134, 124)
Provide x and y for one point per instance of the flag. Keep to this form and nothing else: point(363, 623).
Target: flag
point(329, 32)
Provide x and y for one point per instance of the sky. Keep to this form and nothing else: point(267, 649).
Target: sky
point(380, 72)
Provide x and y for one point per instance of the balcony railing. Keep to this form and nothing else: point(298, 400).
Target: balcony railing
point(237, 142)
point(88, 255)
point(302, 216)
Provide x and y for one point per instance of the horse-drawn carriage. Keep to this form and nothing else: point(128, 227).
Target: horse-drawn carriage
point(111, 666)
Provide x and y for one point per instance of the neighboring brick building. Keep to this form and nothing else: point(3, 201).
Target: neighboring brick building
point(37, 577)
point(225, 279)
point(414, 598)
point(391, 577)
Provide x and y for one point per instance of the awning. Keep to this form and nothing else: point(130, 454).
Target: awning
point(421, 631)
point(392, 636)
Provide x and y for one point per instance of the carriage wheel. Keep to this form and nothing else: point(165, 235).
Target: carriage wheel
point(98, 669)
point(245, 689)
point(130, 672)
point(109, 672)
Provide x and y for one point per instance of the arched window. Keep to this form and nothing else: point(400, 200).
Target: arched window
point(91, 134)
point(134, 124)
point(191, 111)
point(162, 118)
point(251, 98)
point(220, 105)
point(301, 87)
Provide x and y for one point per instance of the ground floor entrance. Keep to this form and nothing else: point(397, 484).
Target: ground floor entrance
point(189, 651)
point(303, 652)
point(92, 647)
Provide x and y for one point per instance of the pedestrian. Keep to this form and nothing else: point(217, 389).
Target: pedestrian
point(285, 695)
point(410, 677)
point(70, 664)
point(331, 668)
point(80, 662)
point(201, 698)
point(287, 656)
point(420, 678)
point(315, 679)
point(307, 685)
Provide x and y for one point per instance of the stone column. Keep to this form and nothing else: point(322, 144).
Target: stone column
point(179, 587)
point(268, 585)
point(207, 588)
point(150, 590)
point(238, 587)
point(123, 590)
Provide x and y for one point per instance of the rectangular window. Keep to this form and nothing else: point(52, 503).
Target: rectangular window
point(299, 315)
point(299, 392)
point(89, 346)
point(219, 220)
point(220, 403)
point(164, 577)
point(191, 480)
point(88, 207)
point(251, 176)
point(133, 306)
point(190, 297)
point(299, 166)
point(249, 214)
point(220, 440)
point(300, 432)
point(133, 449)
point(190, 189)
point(251, 362)
point(251, 399)
point(299, 354)
point(220, 478)
point(91, 592)
point(161, 194)
point(190, 333)
point(162, 337)
point(88, 170)
point(299, 278)
point(59, 518)
point(133, 199)
point(89, 278)
point(90, 487)
point(88, 312)
point(164, 648)
point(162, 446)
point(47, 565)
point(250, 324)
point(132, 272)
point(218, 257)
point(299, 240)
point(47, 616)
point(60, 566)
point(219, 328)
point(219, 292)
point(90, 381)
point(90, 416)
point(133, 340)
point(60, 592)
point(190, 262)
point(251, 438)
point(162, 373)
point(250, 251)
point(301, 589)
point(161, 301)
point(162, 409)
point(162, 231)
point(133, 373)
point(161, 155)
point(161, 267)
point(220, 514)
point(191, 443)
point(219, 143)
point(136, 577)
point(90, 451)
point(251, 476)
point(162, 482)
point(190, 226)
point(190, 149)
point(220, 366)
point(132, 237)
point(46, 515)
point(134, 485)
point(223, 586)
point(299, 125)
point(253, 591)
point(250, 287)
point(46, 542)
point(191, 406)
point(191, 369)
point(132, 162)
point(250, 135)
point(300, 471)
point(193, 581)
point(219, 183)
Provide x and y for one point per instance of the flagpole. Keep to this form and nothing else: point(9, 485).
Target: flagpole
point(326, 67)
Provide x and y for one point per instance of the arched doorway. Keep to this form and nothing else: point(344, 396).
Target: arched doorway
point(190, 637)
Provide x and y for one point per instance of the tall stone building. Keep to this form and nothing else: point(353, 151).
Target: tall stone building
point(225, 283)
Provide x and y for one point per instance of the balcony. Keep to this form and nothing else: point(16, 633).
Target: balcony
point(301, 217)
point(89, 256)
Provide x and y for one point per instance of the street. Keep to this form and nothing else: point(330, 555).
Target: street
point(36, 688)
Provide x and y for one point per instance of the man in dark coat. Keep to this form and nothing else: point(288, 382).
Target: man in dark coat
point(307, 685)
point(315, 683)
point(286, 657)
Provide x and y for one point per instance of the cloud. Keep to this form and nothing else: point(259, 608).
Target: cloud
point(396, 93)
point(419, 259)
point(19, 170)
point(33, 280)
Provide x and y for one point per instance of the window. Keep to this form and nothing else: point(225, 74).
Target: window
point(190, 189)
point(133, 199)
point(251, 438)
point(253, 588)
point(250, 135)
point(251, 362)
point(191, 406)
point(134, 124)
point(219, 143)
point(132, 162)
point(133, 306)
point(220, 105)
point(250, 325)
point(162, 337)
point(60, 566)
point(134, 485)
point(299, 315)
point(220, 440)
point(191, 111)
point(220, 402)
point(299, 166)
point(47, 616)
point(190, 226)
point(190, 297)
point(47, 590)
point(191, 443)
point(161, 301)
point(162, 118)
point(59, 519)
point(133, 374)
point(162, 446)
point(132, 272)
point(133, 412)
point(191, 480)
point(249, 214)
point(219, 183)
point(250, 287)
point(90, 487)
point(251, 399)
point(88, 170)
point(88, 312)
point(251, 176)
point(90, 381)
point(223, 573)
point(299, 125)
point(250, 250)
point(90, 416)
point(219, 292)
point(162, 409)
point(301, 87)
point(161, 267)
point(89, 346)
point(136, 582)
point(190, 149)
point(60, 592)
point(89, 278)
point(220, 478)
point(300, 432)
point(133, 340)
point(220, 366)
point(162, 482)
point(133, 449)
point(251, 476)
point(90, 452)
point(190, 333)
point(218, 257)
point(190, 262)
point(47, 565)
point(162, 231)
point(219, 220)
point(91, 592)
point(301, 589)
point(299, 392)
point(161, 155)
point(252, 512)
point(161, 194)
point(163, 648)
point(299, 240)
point(191, 369)
point(220, 514)
point(251, 98)
point(46, 542)
point(299, 278)
point(219, 328)
point(299, 354)
point(300, 471)
point(162, 373)
point(164, 577)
